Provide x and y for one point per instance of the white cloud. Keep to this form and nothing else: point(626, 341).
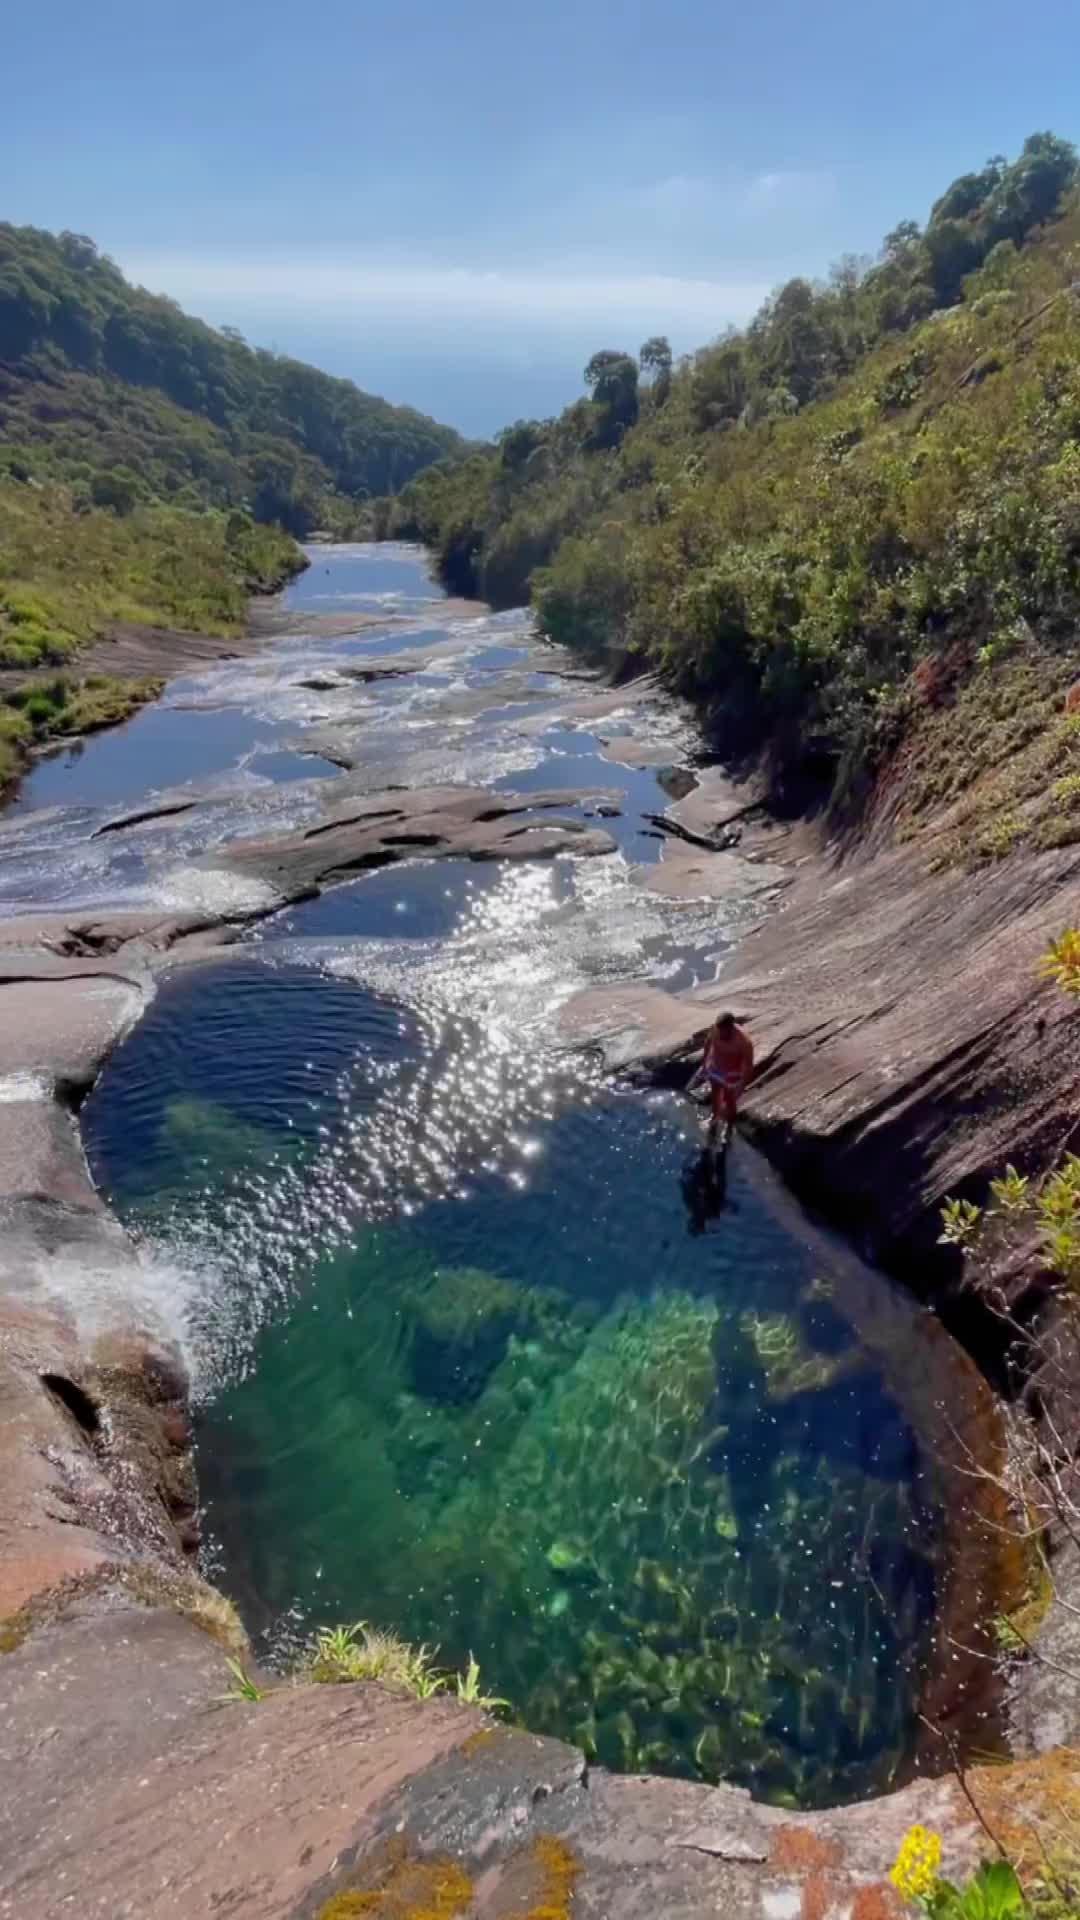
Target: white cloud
point(432, 295)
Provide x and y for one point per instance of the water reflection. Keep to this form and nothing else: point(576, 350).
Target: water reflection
point(469, 1375)
point(491, 1354)
point(704, 1188)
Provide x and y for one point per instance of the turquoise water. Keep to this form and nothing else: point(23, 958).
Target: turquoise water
point(484, 1351)
point(488, 1370)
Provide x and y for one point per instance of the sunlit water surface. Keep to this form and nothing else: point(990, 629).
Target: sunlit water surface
point(482, 1351)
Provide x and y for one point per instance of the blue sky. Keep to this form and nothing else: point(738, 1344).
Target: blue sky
point(456, 205)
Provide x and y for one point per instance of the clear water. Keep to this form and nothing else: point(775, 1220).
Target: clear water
point(388, 578)
point(247, 740)
point(483, 1350)
point(483, 1362)
point(160, 747)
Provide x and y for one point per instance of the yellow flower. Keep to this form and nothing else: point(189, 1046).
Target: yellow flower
point(915, 1873)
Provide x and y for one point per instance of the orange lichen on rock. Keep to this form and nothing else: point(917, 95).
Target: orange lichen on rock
point(877, 1902)
point(482, 1738)
point(816, 1899)
point(436, 1889)
point(560, 1871)
point(797, 1847)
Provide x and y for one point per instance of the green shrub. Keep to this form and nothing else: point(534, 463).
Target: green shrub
point(834, 511)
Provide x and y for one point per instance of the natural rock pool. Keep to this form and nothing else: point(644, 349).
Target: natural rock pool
point(482, 1352)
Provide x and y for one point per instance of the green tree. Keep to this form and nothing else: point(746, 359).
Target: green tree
point(612, 379)
point(117, 490)
point(900, 245)
point(721, 382)
point(655, 360)
point(968, 195)
point(518, 443)
point(280, 494)
point(1029, 191)
point(189, 408)
point(954, 251)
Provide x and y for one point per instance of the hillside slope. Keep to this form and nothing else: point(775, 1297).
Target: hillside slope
point(852, 531)
point(123, 396)
point(154, 471)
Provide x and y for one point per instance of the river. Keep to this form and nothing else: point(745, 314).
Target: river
point(479, 1353)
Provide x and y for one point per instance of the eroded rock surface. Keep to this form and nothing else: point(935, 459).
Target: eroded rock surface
point(877, 1000)
point(885, 1002)
point(375, 829)
point(131, 1786)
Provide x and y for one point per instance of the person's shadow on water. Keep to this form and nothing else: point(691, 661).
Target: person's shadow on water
point(704, 1187)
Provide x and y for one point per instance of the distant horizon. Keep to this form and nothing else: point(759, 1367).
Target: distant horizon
point(456, 211)
point(277, 313)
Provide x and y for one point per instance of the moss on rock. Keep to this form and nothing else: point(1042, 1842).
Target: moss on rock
point(194, 1599)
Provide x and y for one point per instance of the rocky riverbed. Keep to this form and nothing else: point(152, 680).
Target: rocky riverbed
point(904, 1047)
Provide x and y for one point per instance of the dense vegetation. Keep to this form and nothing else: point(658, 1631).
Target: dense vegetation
point(67, 571)
point(836, 524)
point(122, 395)
point(153, 469)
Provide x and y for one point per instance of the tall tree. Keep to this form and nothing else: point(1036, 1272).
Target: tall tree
point(655, 359)
point(612, 378)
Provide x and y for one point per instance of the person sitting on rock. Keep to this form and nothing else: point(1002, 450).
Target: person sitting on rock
point(727, 1064)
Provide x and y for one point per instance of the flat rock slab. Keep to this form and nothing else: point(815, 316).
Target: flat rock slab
point(165, 806)
point(87, 933)
point(628, 751)
point(61, 1026)
point(433, 822)
point(95, 1463)
point(715, 800)
point(636, 1026)
point(130, 1788)
point(41, 1152)
point(883, 1000)
point(582, 710)
point(693, 873)
point(131, 651)
point(342, 679)
point(76, 1263)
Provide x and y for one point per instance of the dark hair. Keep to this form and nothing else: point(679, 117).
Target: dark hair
point(725, 1020)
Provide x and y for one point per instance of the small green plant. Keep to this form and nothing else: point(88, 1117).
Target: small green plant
point(1066, 791)
point(360, 1652)
point(468, 1689)
point(426, 1683)
point(1061, 961)
point(993, 1893)
point(1052, 1207)
point(339, 1655)
point(241, 1685)
point(960, 1220)
point(1000, 836)
point(1058, 1212)
point(1006, 1635)
point(1054, 1892)
point(1012, 1193)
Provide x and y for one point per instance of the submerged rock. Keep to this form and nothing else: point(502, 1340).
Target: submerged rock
point(462, 1320)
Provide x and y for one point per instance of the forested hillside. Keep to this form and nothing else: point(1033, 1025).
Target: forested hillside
point(154, 470)
point(855, 523)
point(119, 394)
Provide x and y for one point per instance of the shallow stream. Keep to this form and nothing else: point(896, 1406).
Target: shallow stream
point(482, 1351)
